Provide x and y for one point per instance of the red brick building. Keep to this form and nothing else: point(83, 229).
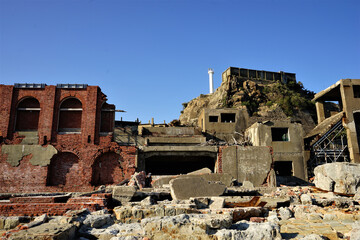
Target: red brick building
point(59, 138)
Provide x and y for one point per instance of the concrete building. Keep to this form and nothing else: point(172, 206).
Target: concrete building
point(223, 123)
point(286, 140)
point(337, 135)
point(59, 138)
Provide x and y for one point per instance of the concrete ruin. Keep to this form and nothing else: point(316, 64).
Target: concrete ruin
point(337, 135)
point(69, 170)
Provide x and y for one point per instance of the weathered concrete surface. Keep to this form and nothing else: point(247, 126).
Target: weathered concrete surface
point(247, 163)
point(200, 171)
point(338, 177)
point(193, 186)
point(47, 231)
point(123, 194)
point(224, 178)
point(41, 156)
point(251, 230)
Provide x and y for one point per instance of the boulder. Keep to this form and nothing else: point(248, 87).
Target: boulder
point(123, 194)
point(200, 171)
point(250, 230)
point(338, 177)
point(185, 187)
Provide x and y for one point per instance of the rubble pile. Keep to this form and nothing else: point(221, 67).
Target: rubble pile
point(136, 210)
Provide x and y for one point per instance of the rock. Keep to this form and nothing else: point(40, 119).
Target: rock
point(247, 184)
point(216, 203)
point(306, 199)
point(11, 222)
point(357, 195)
point(37, 221)
point(355, 232)
point(187, 187)
point(49, 230)
point(123, 194)
point(250, 230)
point(185, 226)
point(201, 202)
point(115, 231)
point(138, 179)
point(225, 178)
point(339, 177)
point(200, 171)
point(149, 200)
point(285, 213)
point(312, 237)
point(97, 221)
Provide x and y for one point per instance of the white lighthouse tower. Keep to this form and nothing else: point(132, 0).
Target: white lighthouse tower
point(211, 82)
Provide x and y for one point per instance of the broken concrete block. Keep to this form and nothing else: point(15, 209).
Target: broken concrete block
point(216, 203)
point(200, 171)
point(285, 213)
point(251, 230)
point(306, 199)
point(123, 194)
point(187, 187)
point(339, 177)
point(247, 184)
point(11, 222)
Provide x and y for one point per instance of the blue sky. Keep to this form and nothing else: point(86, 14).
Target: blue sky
point(148, 57)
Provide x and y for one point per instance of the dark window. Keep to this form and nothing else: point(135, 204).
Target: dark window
point(228, 117)
point(107, 118)
point(357, 126)
point(280, 134)
point(27, 115)
point(283, 168)
point(356, 89)
point(70, 115)
point(213, 118)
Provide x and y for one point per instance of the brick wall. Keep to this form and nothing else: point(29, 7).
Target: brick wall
point(84, 160)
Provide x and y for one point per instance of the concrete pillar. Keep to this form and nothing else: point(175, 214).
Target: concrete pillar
point(320, 110)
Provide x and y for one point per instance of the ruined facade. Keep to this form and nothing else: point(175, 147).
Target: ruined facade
point(59, 138)
point(337, 135)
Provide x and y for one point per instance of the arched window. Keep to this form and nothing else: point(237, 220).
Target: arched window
point(27, 114)
point(107, 118)
point(70, 115)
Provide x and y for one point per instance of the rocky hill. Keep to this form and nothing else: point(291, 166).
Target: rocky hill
point(274, 99)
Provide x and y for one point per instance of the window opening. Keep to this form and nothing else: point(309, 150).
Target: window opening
point(213, 118)
point(228, 117)
point(107, 118)
point(70, 116)
point(280, 134)
point(283, 168)
point(27, 115)
point(356, 89)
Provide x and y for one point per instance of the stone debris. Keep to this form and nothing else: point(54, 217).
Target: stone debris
point(196, 209)
point(341, 177)
point(188, 186)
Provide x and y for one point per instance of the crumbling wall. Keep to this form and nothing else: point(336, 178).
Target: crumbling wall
point(250, 163)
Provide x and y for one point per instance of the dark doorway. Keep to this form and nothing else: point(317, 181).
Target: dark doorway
point(283, 168)
point(177, 164)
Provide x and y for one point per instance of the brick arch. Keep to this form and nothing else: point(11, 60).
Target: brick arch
point(63, 170)
point(27, 114)
point(107, 169)
point(70, 115)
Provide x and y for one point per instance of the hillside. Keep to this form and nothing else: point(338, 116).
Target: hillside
point(279, 98)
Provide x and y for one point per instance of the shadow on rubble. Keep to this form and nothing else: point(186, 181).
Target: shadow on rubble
point(291, 181)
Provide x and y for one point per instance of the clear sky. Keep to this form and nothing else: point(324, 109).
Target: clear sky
point(148, 57)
